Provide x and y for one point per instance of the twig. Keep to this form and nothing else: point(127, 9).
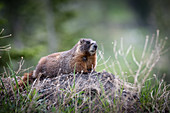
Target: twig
point(21, 63)
point(124, 56)
point(116, 58)
point(157, 36)
point(6, 36)
point(1, 31)
point(134, 58)
point(141, 61)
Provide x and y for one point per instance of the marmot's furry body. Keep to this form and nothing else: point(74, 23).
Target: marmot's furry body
point(81, 58)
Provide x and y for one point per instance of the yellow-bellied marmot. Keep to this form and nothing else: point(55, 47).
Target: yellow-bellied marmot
point(81, 58)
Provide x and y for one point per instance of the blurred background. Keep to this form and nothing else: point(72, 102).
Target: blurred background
point(41, 27)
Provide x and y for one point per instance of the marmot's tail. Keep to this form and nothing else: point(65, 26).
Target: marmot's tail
point(27, 78)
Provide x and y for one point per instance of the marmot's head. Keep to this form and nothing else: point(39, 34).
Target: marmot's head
point(87, 46)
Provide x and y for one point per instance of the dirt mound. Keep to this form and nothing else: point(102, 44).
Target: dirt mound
point(95, 92)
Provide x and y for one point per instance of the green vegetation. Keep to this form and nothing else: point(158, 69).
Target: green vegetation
point(154, 93)
point(41, 27)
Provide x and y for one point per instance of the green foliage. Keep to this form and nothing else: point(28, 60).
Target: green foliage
point(153, 93)
point(19, 103)
point(26, 53)
point(30, 23)
point(154, 96)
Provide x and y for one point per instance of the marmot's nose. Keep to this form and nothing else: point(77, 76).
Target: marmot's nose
point(95, 46)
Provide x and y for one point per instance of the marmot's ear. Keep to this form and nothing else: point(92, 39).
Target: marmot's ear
point(81, 40)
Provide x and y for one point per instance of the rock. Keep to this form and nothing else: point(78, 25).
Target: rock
point(93, 91)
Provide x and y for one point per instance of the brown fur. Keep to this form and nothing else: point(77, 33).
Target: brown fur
point(78, 58)
point(26, 78)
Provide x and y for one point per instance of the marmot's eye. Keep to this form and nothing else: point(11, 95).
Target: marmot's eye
point(87, 42)
point(81, 41)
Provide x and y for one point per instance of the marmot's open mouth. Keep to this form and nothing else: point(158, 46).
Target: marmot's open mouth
point(92, 52)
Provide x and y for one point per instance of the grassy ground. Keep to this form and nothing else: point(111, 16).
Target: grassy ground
point(137, 72)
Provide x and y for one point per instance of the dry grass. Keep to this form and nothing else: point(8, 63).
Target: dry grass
point(6, 47)
point(95, 92)
point(154, 96)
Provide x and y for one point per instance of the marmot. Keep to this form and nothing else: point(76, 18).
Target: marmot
point(81, 58)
